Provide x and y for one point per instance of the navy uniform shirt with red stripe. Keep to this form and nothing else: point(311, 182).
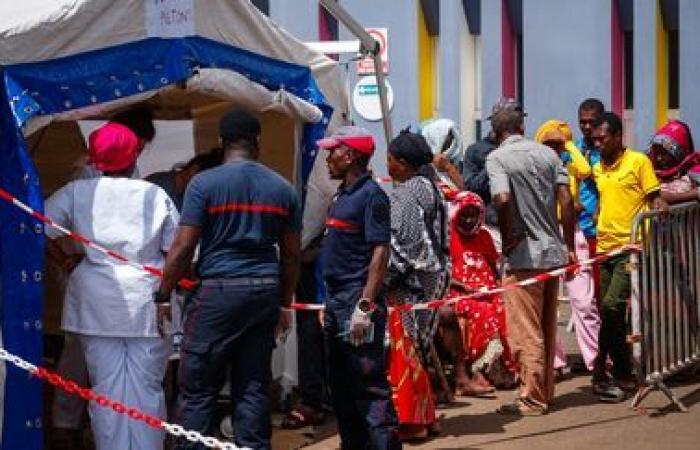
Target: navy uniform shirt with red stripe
point(358, 221)
point(243, 208)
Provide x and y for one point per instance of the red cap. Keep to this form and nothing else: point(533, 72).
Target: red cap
point(113, 147)
point(356, 138)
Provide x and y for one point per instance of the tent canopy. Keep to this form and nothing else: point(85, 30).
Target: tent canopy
point(67, 60)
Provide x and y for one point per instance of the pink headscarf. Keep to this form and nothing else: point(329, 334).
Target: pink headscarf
point(675, 140)
point(113, 147)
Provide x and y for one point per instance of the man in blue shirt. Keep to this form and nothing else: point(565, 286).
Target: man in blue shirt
point(355, 256)
point(241, 213)
point(587, 201)
point(588, 193)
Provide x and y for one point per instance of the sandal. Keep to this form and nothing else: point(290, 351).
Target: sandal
point(471, 389)
point(303, 416)
point(521, 407)
point(413, 433)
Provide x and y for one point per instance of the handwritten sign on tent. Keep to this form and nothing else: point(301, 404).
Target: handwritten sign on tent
point(366, 66)
point(170, 18)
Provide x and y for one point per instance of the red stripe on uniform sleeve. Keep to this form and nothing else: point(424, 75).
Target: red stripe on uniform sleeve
point(341, 225)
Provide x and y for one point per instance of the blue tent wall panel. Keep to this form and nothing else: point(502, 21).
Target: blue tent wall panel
point(77, 81)
point(21, 265)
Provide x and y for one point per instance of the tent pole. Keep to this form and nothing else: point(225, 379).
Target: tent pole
point(367, 45)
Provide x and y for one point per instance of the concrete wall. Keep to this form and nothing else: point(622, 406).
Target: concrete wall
point(452, 23)
point(645, 71)
point(299, 17)
point(689, 93)
point(491, 74)
point(566, 52)
point(458, 95)
point(400, 18)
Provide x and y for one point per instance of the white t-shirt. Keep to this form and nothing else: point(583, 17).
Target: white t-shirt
point(137, 219)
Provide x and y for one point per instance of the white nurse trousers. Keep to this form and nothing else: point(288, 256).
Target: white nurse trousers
point(131, 371)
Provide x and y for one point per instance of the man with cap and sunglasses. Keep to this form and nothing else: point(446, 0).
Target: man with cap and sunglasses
point(108, 303)
point(355, 256)
point(244, 215)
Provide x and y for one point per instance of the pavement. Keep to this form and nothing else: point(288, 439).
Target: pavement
point(577, 421)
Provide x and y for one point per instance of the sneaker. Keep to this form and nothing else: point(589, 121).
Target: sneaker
point(608, 392)
point(626, 384)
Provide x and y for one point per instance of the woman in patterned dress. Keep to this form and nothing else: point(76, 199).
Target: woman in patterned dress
point(481, 319)
point(418, 273)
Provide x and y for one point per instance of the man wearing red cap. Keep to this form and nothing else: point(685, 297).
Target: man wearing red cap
point(108, 303)
point(355, 256)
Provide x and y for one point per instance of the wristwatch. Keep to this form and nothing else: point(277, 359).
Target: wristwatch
point(365, 305)
point(160, 297)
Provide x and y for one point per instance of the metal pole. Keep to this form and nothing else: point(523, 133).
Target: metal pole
point(368, 45)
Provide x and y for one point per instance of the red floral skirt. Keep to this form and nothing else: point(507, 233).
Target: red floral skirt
point(410, 384)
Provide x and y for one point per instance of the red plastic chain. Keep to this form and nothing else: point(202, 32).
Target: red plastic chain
point(71, 387)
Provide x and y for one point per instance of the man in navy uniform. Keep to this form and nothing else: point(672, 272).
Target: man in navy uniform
point(355, 255)
point(243, 213)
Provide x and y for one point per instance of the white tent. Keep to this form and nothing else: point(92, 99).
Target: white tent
point(66, 60)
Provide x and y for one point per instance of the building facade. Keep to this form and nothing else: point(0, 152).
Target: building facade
point(455, 58)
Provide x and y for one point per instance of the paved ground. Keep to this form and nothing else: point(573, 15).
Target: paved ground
point(577, 421)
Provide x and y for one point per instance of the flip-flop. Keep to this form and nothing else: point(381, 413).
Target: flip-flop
point(302, 417)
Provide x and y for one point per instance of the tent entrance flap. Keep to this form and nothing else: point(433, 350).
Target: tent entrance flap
point(132, 72)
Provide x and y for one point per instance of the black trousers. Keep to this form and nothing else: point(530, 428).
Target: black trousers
point(358, 378)
point(313, 380)
point(229, 322)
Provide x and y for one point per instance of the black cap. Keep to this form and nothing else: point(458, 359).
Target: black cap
point(238, 125)
point(412, 148)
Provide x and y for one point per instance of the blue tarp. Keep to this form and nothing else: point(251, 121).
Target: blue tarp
point(77, 81)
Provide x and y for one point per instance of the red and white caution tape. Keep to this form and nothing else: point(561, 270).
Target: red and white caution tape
point(184, 283)
point(189, 284)
point(499, 290)
point(73, 388)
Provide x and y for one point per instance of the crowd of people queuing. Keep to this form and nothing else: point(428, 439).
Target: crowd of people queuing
point(454, 222)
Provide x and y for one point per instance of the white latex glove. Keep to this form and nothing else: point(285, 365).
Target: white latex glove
point(359, 326)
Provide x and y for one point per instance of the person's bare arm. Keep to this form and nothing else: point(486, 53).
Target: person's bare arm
point(444, 165)
point(377, 271)
point(673, 198)
point(568, 216)
point(65, 261)
point(657, 202)
point(179, 257)
point(504, 203)
point(461, 287)
point(290, 260)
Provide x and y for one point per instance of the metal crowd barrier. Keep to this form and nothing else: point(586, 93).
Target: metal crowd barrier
point(665, 297)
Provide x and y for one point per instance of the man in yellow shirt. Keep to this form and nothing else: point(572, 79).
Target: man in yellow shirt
point(628, 186)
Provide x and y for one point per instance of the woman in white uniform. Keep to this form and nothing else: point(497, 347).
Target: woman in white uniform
point(108, 304)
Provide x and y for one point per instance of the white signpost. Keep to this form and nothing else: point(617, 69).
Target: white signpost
point(365, 98)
